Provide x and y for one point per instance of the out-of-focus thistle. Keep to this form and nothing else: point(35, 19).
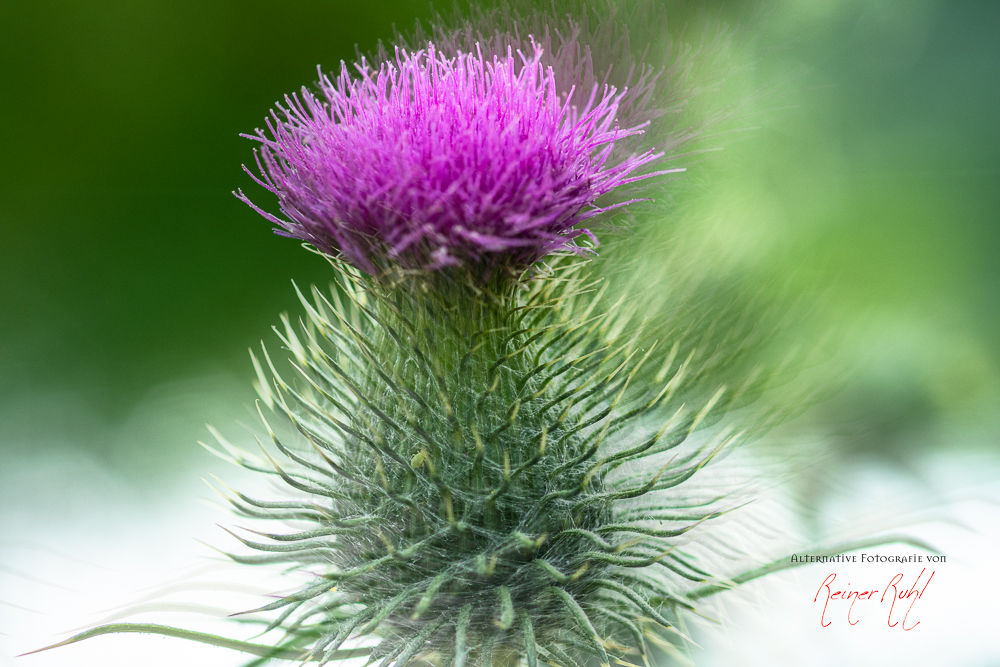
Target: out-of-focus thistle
point(490, 460)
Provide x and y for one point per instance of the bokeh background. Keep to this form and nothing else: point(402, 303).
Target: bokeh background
point(132, 282)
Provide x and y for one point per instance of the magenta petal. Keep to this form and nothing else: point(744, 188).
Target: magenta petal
point(434, 160)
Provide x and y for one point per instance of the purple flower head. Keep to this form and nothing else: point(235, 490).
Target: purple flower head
point(434, 160)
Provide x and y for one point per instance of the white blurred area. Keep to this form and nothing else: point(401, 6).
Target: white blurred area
point(83, 536)
point(87, 532)
point(950, 500)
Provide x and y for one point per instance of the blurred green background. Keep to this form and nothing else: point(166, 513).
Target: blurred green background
point(125, 262)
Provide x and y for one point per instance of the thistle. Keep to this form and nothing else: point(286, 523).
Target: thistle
point(482, 441)
point(488, 459)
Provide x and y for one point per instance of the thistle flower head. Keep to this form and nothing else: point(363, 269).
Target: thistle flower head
point(436, 159)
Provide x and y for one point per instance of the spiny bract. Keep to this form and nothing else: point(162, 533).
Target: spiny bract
point(491, 473)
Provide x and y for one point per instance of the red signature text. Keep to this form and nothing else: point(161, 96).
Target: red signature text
point(894, 591)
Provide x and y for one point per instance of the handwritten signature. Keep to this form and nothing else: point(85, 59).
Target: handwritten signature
point(895, 590)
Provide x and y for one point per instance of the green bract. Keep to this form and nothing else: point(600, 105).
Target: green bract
point(488, 474)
